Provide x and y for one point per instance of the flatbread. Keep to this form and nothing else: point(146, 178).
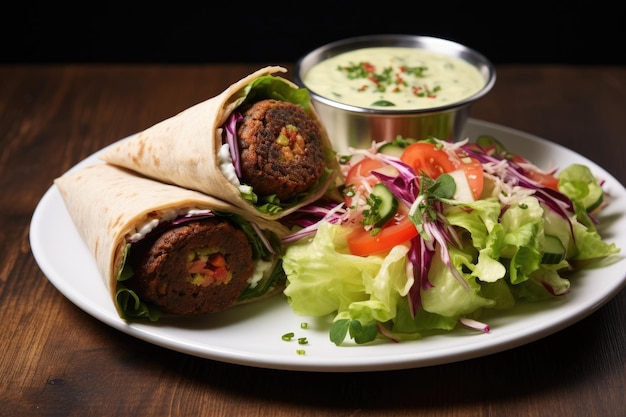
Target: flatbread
point(184, 149)
point(108, 203)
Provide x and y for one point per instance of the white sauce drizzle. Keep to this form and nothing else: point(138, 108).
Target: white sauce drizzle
point(226, 165)
point(260, 268)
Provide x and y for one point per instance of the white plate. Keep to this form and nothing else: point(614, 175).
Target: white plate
point(251, 335)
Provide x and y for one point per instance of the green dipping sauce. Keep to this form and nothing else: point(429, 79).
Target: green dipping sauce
point(394, 78)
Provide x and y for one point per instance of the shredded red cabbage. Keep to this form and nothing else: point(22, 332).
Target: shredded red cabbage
point(196, 215)
point(474, 324)
point(229, 136)
point(309, 217)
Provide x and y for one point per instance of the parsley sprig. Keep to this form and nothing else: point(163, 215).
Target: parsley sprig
point(372, 215)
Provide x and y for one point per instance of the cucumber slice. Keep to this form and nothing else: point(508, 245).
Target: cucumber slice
point(388, 204)
point(553, 250)
point(391, 150)
point(396, 147)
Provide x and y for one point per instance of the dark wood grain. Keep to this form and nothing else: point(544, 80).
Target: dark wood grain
point(56, 360)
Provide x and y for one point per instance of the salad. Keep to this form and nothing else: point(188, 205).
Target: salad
point(428, 235)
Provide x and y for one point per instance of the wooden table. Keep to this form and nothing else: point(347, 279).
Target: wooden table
point(57, 360)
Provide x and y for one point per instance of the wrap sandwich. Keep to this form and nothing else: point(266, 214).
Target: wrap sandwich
point(164, 250)
point(259, 145)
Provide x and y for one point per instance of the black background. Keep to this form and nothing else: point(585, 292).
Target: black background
point(576, 33)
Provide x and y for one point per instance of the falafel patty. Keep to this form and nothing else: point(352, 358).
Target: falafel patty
point(199, 267)
point(281, 149)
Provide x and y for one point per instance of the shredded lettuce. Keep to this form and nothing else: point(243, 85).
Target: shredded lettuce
point(269, 86)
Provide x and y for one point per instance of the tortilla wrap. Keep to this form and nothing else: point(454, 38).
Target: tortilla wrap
point(185, 149)
point(111, 206)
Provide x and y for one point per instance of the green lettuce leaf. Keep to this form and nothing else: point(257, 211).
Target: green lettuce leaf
point(447, 296)
point(324, 278)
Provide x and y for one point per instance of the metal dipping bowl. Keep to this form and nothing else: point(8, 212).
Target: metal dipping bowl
point(352, 126)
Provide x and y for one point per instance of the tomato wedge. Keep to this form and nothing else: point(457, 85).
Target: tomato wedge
point(547, 180)
point(426, 157)
point(473, 170)
point(360, 177)
point(362, 243)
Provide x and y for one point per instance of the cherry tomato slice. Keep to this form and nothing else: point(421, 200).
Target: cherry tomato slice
point(360, 176)
point(426, 157)
point(362, 243)
point(547, 180)
point(473, 170)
